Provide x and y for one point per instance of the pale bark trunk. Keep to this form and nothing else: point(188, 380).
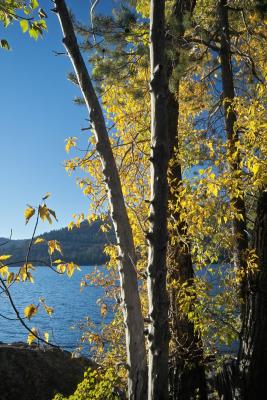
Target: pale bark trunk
point(134, 325)
point(239, 225)
point(157, 237)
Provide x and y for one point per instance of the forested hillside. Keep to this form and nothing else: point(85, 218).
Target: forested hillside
point(83, 246)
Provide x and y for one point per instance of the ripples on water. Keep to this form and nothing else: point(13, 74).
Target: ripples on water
point(71, 306)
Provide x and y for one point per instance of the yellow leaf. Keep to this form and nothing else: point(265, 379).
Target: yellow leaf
point(213, 189)
point(28, 213)
point(10, 277)
point(70, 225)
point(46, 336)
point(58, 261)
point(5, 257)
point(70, 142)
point(24, 272)
point(61, 268)
point(71, 268)
point(30, 311)
point(24, 25)
point(31, 336)
point(255, 168)
point(4, 271)
point(44, 214)
point(49, 310)
point(39, 240)
point(103, 310)
point(54, 245)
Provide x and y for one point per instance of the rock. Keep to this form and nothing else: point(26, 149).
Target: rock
point(34, 373)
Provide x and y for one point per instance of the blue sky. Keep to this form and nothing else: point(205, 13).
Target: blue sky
point(37, 114)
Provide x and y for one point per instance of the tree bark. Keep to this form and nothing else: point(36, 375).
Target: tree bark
point(158, 337)
point(134, 325)
point(239, 225)
point(253, 349)
point(187, 372)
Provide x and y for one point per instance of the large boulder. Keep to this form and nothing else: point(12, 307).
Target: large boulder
point(34, 373)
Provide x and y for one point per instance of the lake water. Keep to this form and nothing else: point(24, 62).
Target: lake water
point(71, 306)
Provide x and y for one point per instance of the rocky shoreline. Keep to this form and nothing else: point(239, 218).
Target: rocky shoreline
point(38, 373)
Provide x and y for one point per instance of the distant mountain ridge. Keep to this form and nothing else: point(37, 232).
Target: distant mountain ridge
point(83, 246)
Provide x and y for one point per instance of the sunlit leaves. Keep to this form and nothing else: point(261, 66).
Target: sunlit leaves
point(32, 336)
point(63, 267)
point(4, 271)
point(54, 245)
point(34, 4)
point(25, 274)
point(4, 257)
point(24, 25)
point(30, 19)
point(46, 213)
point(103, 310)
point(48, 310)
point(39, 240)
point(29, 213)
point(71, 267)
point(30, 311)
point(10, 277)
point(70, 142)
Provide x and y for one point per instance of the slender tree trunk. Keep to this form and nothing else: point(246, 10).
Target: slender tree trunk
point(157, 236)
point(187, 372)
point(135, 344)
point(239, 224)
point(253, 348)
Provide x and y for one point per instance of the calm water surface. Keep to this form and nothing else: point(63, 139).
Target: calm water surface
point(71, 306)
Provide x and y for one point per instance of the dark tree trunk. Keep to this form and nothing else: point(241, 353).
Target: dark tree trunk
point(158, 338)
point(187, 372)
point(239, 224)
point(253, 347)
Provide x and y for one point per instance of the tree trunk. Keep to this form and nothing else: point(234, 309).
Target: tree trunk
point(187, 372)
point(157, 236)
point(253, 348)
point(134, 325)
point(239, 225)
